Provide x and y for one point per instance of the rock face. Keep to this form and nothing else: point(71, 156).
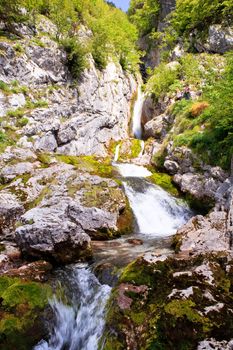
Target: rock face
point(220, 40)
point(80, 118)
point(10, 211)
point(210, 233)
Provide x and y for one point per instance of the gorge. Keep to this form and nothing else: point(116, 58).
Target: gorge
point(116, 190)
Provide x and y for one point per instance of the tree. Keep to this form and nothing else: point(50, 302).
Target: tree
point(11, 12)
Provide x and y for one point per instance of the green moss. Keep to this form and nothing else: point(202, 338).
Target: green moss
point(125, 220)
point(164, 181)
point(130, 149)
point(44, 158)
point(91, 164)
point(138, 317)
point(161, 319)
point(22, 303)
point(181, 308)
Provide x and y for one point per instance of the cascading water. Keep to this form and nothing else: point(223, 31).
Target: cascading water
point(80, 325)
point(117, 152)
point(156, 211)
point(137, 115)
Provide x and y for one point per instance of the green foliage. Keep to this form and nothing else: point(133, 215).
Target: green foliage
point(10, 11)
point(76, 56)
point(4, 87)
point(214, 141)
point(18, 113)
point(162, 79)
point(200, 14)
point(144, 13)
point(22, 122)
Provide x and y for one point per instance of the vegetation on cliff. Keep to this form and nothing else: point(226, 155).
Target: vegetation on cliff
point(111, 34)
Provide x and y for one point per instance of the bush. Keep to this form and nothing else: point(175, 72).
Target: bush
point(162, 79)
point(76, 56)
point(199, 107)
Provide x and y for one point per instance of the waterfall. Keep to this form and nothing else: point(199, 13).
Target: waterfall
point(157, 213)
point(137, 115)
point(79, 326)
point(117, 152)
point(142, 148)
point(132, 170)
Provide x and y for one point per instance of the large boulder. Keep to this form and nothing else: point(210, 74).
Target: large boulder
point(172, 303)
point(49, 233)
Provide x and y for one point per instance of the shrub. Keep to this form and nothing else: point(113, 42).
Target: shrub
point(4, 87)
point(162, 79)
point(76, 56)
point(198, 107)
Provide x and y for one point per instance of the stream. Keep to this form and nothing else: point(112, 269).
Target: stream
point(79, 324)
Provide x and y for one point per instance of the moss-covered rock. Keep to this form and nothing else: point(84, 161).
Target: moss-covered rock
point(91, 164)
point(165, 181)
point(171, 303)
point(129, 149)
point(22, 306)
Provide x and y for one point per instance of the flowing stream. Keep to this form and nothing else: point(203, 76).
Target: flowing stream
point(80, 319)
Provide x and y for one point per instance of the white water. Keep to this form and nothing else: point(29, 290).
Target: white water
point(79, 326)
point(132, 170)
point(117, 153)
point(157, 213)
point(137, 115)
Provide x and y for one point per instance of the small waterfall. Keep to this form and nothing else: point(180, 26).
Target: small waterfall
point(142, 148)
point(157, 213)
point(132, 170)
point(80, 326)
point(137, 115)
point(117, 153)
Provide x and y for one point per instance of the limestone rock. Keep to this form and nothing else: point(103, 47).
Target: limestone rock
point(9, 172)
point(46, 143)
point(220, 40)
point(94, 221)
point(10, 211)
point(203, 234)
point(49, 233)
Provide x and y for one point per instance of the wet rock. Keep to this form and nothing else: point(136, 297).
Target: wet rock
point(35, 271)
point(134, 241)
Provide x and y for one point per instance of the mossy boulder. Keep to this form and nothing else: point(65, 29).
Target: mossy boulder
point(165, 181)
point(23, 304)
point(171, 303)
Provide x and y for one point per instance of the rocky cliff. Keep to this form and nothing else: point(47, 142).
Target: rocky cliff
point(47, 118)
